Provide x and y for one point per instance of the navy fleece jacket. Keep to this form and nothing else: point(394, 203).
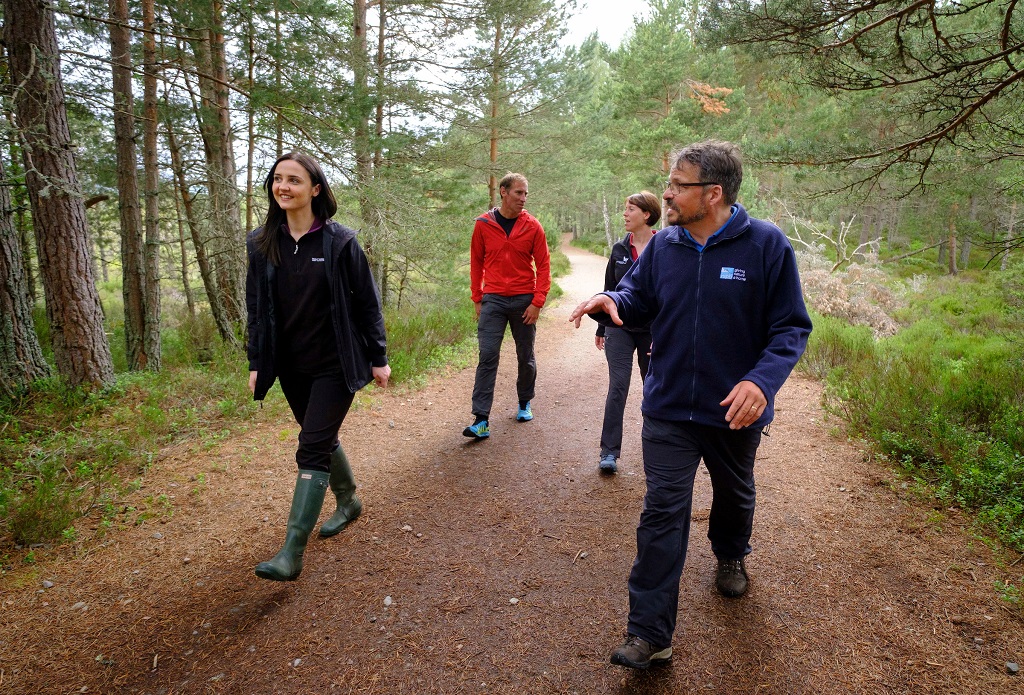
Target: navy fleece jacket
point(733, 311)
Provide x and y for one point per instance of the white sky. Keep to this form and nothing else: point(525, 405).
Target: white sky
point(611, 19)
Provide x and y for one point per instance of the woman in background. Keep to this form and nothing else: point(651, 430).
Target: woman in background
point(316, 325)
point(643, 210)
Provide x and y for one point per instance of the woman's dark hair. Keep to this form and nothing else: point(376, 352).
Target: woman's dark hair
point(324, 205)
point(649, 203)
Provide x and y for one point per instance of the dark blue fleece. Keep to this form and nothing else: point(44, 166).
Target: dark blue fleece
point(733, 311)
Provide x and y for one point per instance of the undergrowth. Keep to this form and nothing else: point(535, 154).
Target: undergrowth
point(66, 453)
point(941, 397)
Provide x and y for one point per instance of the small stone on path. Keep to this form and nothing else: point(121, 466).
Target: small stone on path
point(47, 584)
point(1012, 668)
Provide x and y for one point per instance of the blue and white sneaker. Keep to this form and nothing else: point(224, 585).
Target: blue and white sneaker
point(525, 414)
point(480, 430)
point(608, 464)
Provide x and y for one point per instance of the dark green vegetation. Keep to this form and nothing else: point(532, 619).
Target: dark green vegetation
point(942, 398)
point(909, 239)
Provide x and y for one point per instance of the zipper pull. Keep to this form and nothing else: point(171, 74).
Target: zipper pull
point(296, 251)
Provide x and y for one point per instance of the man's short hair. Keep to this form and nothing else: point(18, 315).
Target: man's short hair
point(511, 178)
point(716, 160)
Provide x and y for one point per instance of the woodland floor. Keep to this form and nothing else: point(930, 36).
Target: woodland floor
point(512, 578)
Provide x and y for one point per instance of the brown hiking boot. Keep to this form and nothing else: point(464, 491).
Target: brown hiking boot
point(638, 653)
point(731, 578)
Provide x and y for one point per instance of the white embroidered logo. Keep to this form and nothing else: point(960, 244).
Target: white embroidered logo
point(317, 260)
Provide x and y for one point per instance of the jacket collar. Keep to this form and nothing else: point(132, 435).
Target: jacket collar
point(737, 225)
point(488, 218)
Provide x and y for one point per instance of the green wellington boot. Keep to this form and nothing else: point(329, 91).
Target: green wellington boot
point(343, 484)
point(310, 487)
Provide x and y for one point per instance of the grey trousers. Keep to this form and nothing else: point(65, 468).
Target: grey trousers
point(496, 312)
point(619, 346)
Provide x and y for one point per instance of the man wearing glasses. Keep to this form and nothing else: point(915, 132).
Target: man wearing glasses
point(728, 321)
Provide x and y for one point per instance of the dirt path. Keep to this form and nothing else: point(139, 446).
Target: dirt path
point(500, 566)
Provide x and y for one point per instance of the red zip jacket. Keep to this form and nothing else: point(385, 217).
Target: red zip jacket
point(504, 265)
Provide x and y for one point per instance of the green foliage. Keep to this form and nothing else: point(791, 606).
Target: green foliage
point(834, 344)
point(592, 243)
point(69, 449)
point(424, 337)
point(941, 398)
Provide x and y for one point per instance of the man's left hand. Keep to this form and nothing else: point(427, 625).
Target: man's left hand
point(531, 315)
point(746, 404)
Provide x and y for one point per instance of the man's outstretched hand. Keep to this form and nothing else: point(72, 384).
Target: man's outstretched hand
point(596, 304)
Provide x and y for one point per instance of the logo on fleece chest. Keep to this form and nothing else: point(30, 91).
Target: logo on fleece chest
point(732, 274)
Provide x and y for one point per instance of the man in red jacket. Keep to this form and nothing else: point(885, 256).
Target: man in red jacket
point(508, 290)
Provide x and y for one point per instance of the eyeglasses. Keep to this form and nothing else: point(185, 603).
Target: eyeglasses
point(677, 188)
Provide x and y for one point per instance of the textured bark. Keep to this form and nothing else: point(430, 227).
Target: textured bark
point(226, 237)
point(492, 181)
point(364, 150)
point(1008, 243)
point(73, 308)
point(205, 268)
point(186, 286)
point(21, 357)
point(609, 239)
point(18, 204)
point(133, 254)
point(966, 244)
point(151, 191)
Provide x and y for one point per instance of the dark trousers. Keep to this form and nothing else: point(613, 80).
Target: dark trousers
point(496, 312)
point(672, 452)
point(319, 403)
point(619, 346)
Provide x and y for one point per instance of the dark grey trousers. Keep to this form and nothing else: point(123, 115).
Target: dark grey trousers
point(672, 452)
point(619, 346)
point(496, 312)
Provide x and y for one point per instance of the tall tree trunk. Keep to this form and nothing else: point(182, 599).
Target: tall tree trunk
point(21, 357)
point(206, 272)
point(609, 239)
point(218, 141)
point(73, 308)
point(965, 243)
point(151, 192)
point(952, 239)
point(18, 204)
point(1008, 243)
point(363, 149)
point(186, 286)
point(360, 85)
point(133, 258)
point(495, 95)
point(378, 145)
point(250, 116)
point(278, 120)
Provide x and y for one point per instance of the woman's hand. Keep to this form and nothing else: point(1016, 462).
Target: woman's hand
point(381, 375)
point(252, 383)
point(599, 342)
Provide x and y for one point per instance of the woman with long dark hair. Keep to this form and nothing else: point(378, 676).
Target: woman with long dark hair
point(315, 325)
point(642, 212)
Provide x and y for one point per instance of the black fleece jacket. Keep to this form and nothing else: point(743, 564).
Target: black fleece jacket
point(619, 262)
point(355, 310)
